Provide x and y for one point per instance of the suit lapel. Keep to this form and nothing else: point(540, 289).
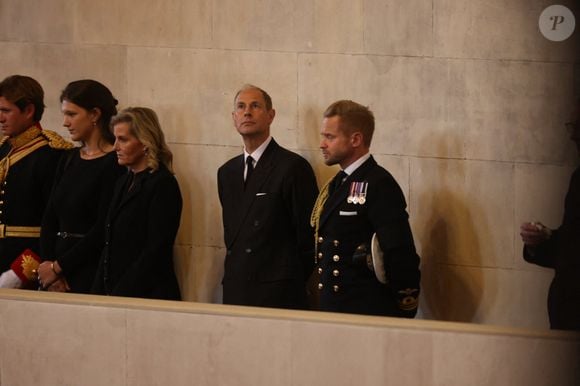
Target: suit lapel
point(261, 173)
point(341, 194)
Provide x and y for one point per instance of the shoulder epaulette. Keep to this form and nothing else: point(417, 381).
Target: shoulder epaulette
point(55, 141)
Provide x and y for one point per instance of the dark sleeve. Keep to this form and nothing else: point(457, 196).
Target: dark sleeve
point(50, 224)
point(300, 193)
point(542, 254)
point(163, 215)
point(90, 246)
point(389, 218)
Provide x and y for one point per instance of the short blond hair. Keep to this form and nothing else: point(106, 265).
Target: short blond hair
point(353, 117)
point(144, 124)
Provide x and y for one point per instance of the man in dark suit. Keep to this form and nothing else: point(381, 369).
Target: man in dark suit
point(267, 194)
point(363, 199)
point(560, 249)
point(28, 159)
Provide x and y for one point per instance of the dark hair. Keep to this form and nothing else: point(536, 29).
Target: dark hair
point(23, 91)
point(90, 94)
point(353, 117)
point(267, 98)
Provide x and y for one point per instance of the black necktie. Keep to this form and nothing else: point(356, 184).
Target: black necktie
point(337, 181)
point(250, 169)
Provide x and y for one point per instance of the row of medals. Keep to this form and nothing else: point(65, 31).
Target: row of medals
point(358, 193)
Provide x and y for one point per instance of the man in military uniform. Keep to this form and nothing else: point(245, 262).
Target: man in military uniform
point(362, 200)
point(28, 158)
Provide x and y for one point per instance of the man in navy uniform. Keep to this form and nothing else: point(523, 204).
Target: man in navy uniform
point(28, 158)
point(267, 194)
point(363, 199)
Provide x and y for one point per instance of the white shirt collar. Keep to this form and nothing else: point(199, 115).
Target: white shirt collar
point(355, 165)
point(259, 151)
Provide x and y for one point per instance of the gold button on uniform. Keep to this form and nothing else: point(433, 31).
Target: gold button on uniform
point(335, 272)
point(319, 270)
point(335, 242)
point(335, 288)
point(320, 286)
point(320, 255)
point(336, 258)
point(320, 239)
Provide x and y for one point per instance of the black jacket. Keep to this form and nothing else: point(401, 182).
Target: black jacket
point(266, 229)
point(562, 252)
point(140, 230)
point(347, 284)
point(23, 197)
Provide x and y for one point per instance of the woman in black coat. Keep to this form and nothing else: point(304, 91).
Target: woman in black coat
point(71, 237)
point(143, 218)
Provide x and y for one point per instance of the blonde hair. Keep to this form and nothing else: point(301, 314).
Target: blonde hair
point(353, 117)
point(144, 124)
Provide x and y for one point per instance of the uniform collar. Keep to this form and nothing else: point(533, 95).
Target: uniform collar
point(356, 164)
point(26, 136)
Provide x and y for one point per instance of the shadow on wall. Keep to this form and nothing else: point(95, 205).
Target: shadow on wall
point(312, 122)
point(452, 280)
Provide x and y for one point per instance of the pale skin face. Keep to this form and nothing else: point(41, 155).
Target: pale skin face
point(337, 146)
point(80, 122)
point(130, 151)
point(251, 118)
point(13, 121)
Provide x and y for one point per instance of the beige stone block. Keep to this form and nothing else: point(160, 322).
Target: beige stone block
point(55, 65)
point(497, 29)
point(507, 361)
point(37, 21)
point(196, 169)
point(175, 23)
point(484, 295)
point(41, 361)
point(200, 270)
point(410, 98)
point(463, 211)
point(373, 354)
point(229, 350)
point(398, 27)
point(318, 353)
point(302, 25)
point(193, 90)
point(540, 194)
point(514, 111)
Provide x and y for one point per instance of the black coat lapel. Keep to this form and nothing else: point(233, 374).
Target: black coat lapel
point(259, 177)
point(122, 198)
point(341, 194)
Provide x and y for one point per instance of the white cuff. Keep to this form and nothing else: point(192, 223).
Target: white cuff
point(9, 279)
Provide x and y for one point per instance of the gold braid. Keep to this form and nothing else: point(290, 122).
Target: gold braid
point(315, 216)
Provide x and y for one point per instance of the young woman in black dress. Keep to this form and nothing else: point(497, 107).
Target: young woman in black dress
point(72, 233)
point(144, 215)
